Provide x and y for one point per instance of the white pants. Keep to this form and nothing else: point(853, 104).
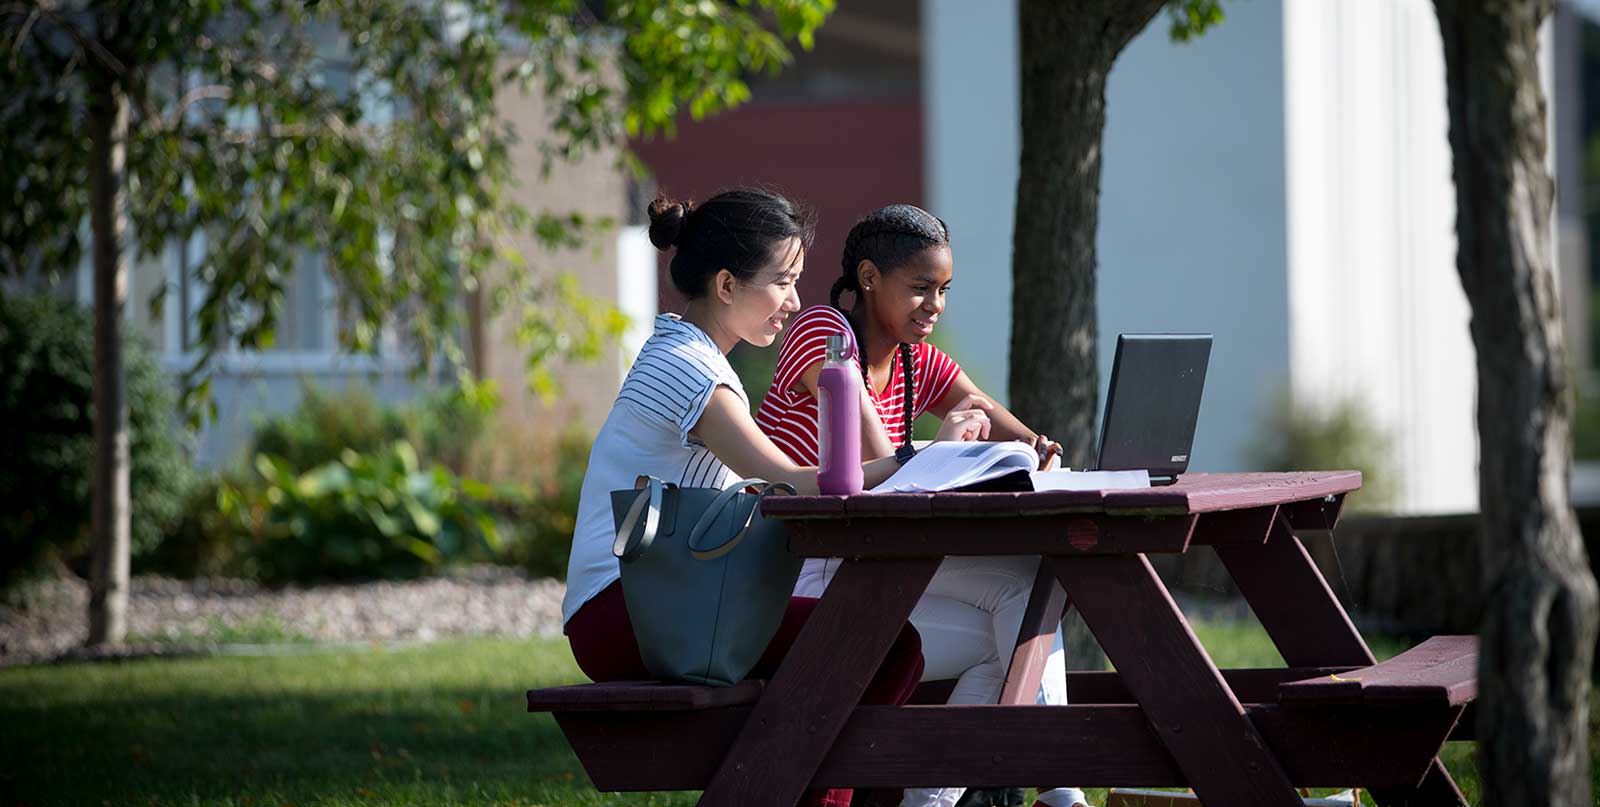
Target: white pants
point(969, 618)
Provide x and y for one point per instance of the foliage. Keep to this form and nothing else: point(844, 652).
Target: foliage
point(756, 368)
point(222, 531)
point(366, 129)
point(540, 521)
point(1191, 18)
point(204, 541)
point(366, 515)
point(1586, 428)
point(1339, 436)
point(46, 402)
point(433, 724)
point(442, 425)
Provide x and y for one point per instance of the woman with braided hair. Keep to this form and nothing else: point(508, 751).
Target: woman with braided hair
point(898, 265)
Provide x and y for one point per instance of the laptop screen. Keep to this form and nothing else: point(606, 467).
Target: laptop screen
point(1153, 402)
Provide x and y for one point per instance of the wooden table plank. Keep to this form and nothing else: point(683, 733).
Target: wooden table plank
point(1294, 603)
point(1207, 493)
point(1248, 526)
point(1193, 493)
point(1250, 685)
point(1441, 671)
point(997, 746)
point(1163, 665)
point(1092, 534)
point(819, 683)
point(641, 696)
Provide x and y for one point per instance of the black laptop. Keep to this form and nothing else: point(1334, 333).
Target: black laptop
point(1153, 403)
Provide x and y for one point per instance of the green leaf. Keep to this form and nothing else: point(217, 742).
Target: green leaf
point(425, 520)
point(424, 550)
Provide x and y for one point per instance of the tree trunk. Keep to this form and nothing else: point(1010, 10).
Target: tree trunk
point(1067, 49)
point(108, 593)
point(1539, 620)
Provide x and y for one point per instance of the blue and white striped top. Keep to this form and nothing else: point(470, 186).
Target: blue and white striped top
point(647, 432)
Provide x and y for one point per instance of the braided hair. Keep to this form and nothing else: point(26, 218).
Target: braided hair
point(888, 236)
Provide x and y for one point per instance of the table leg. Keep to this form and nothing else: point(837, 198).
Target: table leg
point(1294, 603)
point(819, 683)
point(1183, 695)
point(1046, 605)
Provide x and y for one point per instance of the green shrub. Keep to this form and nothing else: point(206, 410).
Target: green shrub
point(203, 542)
point(1341, 436)
point(327, 498)
point(443, 426)
point(539, 522)
point(46, 401)
point(367, 515)
point(1586, 428)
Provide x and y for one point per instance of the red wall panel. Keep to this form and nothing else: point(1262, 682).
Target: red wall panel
point(841, 157)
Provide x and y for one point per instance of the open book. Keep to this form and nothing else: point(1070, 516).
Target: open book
point(950, 465)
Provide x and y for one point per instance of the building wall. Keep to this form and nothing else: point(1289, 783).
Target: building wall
point(597, 187)
point(1376, 306)
point(247, 386)
point(970, 113)
point(843, 157)
point(1192, 224)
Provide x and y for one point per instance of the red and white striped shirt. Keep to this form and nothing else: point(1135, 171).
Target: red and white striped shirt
point(789, 413)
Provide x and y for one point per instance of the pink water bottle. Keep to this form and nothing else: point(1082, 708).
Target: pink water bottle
point(839, 422)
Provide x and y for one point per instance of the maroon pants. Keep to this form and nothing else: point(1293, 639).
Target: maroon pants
point(602, 641)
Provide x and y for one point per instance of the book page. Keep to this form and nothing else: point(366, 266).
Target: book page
point(950, 464)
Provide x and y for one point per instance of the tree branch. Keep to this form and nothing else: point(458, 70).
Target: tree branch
point(22, 33)
point(85, 42)
point(192, 97)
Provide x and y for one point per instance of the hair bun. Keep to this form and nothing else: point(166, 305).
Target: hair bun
point(666, 221)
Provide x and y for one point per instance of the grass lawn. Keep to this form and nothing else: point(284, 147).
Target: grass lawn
point(433, 724)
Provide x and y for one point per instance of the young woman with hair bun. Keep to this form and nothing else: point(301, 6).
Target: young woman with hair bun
point(897, 263)
point(683, 416)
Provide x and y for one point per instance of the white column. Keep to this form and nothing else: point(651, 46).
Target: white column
point(636, 290)
point(1376, 307)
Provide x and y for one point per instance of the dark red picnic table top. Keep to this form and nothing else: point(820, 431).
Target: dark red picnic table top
point(1192, 494)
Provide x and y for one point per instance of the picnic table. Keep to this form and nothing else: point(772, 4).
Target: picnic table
point(1167, 717)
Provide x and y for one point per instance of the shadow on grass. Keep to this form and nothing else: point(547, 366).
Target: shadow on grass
point(441, 724)
point(128, 734)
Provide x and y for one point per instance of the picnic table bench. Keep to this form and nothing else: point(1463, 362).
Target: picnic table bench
point(1167, 717)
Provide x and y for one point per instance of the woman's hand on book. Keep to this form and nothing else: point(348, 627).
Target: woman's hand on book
point(968, 420)
point(1049, 451)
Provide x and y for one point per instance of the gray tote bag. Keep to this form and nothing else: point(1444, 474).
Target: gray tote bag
point(706, 577)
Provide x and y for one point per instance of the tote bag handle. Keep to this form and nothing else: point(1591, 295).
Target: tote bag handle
point(722, 500)
point(647, 504)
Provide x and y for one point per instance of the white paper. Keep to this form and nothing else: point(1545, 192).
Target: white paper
point(1090, 480)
